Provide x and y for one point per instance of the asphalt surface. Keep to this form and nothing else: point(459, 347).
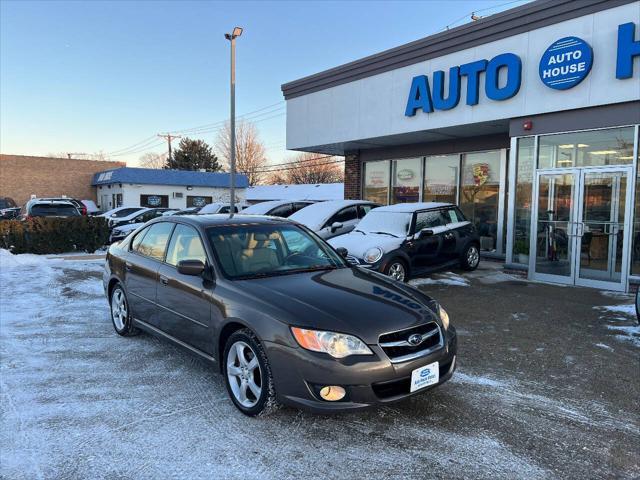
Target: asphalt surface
point(547, 387)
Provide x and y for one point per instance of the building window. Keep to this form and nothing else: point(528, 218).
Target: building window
point(479, 195)
point(406, 180)
point(525, 161)
point(376, 182)
point(154, 201)
point(441, 178)
point(595, 148)
point(195, 201)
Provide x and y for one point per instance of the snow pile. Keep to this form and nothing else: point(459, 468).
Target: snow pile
point(10, 261)
point(446, 278)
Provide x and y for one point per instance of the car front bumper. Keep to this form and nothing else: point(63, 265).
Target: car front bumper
point(369, 380)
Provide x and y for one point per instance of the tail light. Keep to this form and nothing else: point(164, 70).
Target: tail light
point(84, 209)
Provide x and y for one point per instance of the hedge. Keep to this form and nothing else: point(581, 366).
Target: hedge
point(54, 235)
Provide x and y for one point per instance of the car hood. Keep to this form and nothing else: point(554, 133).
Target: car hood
point(347, 300)
point(357, 244)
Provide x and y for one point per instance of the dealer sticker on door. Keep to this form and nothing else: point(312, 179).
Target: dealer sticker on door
point(425, 376)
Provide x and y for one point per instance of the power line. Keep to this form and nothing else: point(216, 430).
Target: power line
point(332, 162)
point(135, 148)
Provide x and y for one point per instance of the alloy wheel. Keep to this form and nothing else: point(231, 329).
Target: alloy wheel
point(473, 256)
point(244, 374)
point(119, 309)
point(396, 271)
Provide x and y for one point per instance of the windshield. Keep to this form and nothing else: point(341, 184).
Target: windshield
point(262, 250)
point(54, 210)
point(394, 223)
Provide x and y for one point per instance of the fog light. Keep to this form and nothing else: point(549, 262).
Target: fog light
point(332, 393)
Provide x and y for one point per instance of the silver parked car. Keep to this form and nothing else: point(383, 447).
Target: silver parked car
point(333, 218)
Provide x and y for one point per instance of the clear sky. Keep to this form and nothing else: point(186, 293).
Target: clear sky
point(105, 75)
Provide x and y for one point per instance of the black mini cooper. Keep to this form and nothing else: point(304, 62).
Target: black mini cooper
point(283, 316)
point(408, 239)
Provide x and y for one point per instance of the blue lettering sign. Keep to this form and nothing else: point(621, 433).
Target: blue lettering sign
point(513, 65)
point(419, 96)
point(565, 63)
point(439, 102)
point(627, 50)
point(472, 72)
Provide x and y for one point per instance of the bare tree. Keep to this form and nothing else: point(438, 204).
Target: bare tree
point(309, 168)
point(153, 160)
point(251, 158)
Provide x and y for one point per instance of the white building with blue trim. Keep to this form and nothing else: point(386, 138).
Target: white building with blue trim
point(177, 189)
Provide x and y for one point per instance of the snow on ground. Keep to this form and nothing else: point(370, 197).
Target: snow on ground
point(445, 278)
point(77, 401)
point(623, 313)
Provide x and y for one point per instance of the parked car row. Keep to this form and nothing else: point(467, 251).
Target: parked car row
point(46, 207)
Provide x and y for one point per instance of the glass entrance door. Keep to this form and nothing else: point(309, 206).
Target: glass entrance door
point(579, 230)
point(555, 226)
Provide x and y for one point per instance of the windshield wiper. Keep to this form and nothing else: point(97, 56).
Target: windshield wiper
point(276, 273)
point(386, 233)
point(356, 230)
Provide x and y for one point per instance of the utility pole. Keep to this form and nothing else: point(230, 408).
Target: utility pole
point(237, 31)
point(169, 137)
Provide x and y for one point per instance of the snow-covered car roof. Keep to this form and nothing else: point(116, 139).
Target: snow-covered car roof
point(412, 207)
point(263, 207)
point(315, 215)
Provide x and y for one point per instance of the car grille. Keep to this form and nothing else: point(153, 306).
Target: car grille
point(352, 260)
point(398, 348)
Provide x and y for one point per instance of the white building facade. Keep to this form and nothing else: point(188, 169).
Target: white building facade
point(175, 189)
point(528, 120)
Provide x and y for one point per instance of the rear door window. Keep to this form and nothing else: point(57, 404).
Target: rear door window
point(125, 212)
point(454, 215)
point(155, 241)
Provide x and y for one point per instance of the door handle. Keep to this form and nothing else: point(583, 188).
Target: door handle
point(127, 266)
point(164, 280)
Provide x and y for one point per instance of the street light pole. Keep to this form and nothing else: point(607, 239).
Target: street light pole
point(237, 31)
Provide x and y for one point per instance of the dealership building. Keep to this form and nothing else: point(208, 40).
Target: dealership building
point(527, 119)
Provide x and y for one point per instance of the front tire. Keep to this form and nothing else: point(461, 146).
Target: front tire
point(396, 269)
point(121, 314)
point(470, 258)
point(247, 374)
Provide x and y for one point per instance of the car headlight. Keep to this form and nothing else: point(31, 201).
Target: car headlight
point(338, 345)
point(117, 232)
point(444, 317)
point(372, 255)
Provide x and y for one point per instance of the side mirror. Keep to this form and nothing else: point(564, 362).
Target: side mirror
point(336, 226)
point(425, 232)
point(190, 267)
point(342, 252)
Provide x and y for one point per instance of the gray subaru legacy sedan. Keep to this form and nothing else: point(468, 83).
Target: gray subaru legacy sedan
point(279, 312)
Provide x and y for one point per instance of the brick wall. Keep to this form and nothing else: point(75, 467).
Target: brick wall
point(21, 176)
point(352, 177)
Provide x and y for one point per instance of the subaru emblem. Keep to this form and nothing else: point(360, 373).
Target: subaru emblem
point(415, 339)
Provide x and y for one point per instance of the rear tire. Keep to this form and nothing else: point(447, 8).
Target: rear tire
point(121, 313)
point(247, 374)
point(470, 258)
point(396, 268)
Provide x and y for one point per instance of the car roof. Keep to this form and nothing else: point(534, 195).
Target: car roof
point(316, 214)
point(223, 219)
point(413, 207)
point(51, 201)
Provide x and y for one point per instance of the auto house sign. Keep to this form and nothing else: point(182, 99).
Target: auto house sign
point(564, 64)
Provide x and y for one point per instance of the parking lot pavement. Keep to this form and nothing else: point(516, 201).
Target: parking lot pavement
point(547, 387)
